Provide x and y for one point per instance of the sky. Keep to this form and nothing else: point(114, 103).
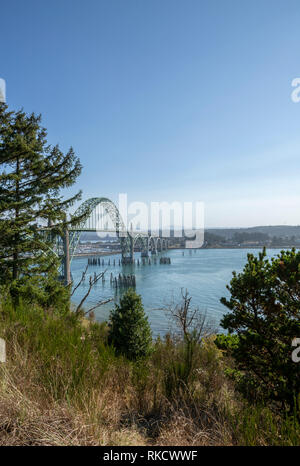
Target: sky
point(166, 100)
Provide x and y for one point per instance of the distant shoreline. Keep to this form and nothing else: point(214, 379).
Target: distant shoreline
point(111, 253)
point(100, 253)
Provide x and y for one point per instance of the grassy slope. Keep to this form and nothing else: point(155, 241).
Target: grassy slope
point(63, 385)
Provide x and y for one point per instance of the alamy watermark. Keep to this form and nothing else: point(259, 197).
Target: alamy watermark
point(165, 219)
point(2, 91)
point(296, 351)
point(295, 95)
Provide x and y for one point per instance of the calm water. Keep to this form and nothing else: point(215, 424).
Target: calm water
point(203, 272)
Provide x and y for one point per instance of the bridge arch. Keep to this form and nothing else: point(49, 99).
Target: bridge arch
point(143, 241)
point(89, 216)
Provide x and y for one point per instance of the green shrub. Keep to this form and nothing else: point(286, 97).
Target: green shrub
point(227, 342)
point(129, 330)
point(265, 317)
point(45, 291)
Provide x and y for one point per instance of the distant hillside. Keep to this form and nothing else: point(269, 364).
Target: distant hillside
point(227, 233)
point(274, 230)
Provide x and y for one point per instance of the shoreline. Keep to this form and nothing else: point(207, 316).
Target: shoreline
point(100, 253)
point(111, 253)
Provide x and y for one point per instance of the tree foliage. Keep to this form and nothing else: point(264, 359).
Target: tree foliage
point(255, 236)
point(129, 330)
point(265, 317)
point(32, 175)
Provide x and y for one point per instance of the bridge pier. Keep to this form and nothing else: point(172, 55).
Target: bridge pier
point(127, 246)
point(127, 260)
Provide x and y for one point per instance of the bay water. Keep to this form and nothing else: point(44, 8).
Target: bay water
point(204, 273)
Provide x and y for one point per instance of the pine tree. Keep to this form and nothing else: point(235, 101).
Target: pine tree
point(264, 319)
point(32, 175)
point(129, 330)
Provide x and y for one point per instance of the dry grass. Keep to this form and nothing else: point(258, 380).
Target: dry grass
point(29, 414)
point(115, 413)
point(73, 391)
point(28, 418)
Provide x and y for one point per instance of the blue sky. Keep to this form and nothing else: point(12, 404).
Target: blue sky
point(166, 100)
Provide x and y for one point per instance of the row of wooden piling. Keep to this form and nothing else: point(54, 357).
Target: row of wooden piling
point(118, 281)
point(165, 260)
point(97, 261)
point(123, 280)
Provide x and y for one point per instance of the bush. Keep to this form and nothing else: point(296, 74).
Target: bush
point(44, 291)
point(129, 330)
point(265, 316)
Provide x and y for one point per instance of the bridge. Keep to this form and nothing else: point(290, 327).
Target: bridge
point(100, 214)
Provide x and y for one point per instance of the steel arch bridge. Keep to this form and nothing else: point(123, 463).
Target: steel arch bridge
point(100, 214)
